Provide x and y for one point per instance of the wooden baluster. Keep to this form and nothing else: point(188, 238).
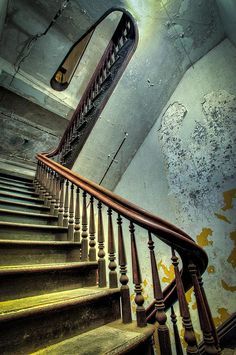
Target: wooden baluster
point(57, 204)
point(137, 280)
point(42, 188)
point(61, 204)
point(124, 290)
point(66, 206)
point(36, 175)
point(113, 283)
point(178, 346)
point(209, 342)
point(189, 335)
point(92, 249)
point(50, 186)
point(77, 216)
point(101, 253)
point(47, 181)
point(53, 200)
point(213, 328)
point(161, 318)
point(71, 215)
point(84, 235)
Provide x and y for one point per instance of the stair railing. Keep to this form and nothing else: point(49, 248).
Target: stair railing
point(68, 193)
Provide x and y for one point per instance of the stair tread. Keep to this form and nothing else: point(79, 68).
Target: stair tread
point(15, 203)
point(42, 303)
point(28, 198)
point(33, 268)
point(33, 226)
point(112, 338)
point(39, 242)
point(12, 186)
point(28, 214)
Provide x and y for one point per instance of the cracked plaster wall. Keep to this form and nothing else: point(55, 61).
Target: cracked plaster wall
point(185, 172)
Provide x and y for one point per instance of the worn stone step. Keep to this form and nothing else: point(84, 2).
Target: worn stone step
point(34, 322)
point(20, 187)
point(23, 231)
point(17, 191)
point(27, 217)
point(20, 252)
point(114, 338)
point(16, 180)
point(14, 197)
point(20, 281)
point(22, 206)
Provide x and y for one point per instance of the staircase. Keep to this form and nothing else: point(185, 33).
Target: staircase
point(50, 302)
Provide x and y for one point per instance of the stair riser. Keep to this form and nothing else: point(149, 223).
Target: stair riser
point(31, 284)
point(17, 191)
point(15, 218)
point(52, 326)
point(16, 186)
point(20, 233)
point(22, 199)
point(23, 255)
point(28, 208)
point(16, 181)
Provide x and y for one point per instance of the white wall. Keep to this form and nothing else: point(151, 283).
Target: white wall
point(185, 172)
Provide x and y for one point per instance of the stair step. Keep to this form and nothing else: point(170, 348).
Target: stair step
point(22, 206)
point(16, 180)
point(18, 198)
point(20, 252)
point(29, 232)
point(114, 338)
point(33, 322)
point(16, 190)
point(20, 187)
point(27, 217)
point(30, 280)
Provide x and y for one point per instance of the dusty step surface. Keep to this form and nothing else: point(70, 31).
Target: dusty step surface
point(17, 191)
point(113, 338)
point(28, 324)
point(22, 206)
point(13, 185)
point(23, 231)
point(30, 280)
point(20, 252)
point(18, 198)
point(7, 215)
point(16, 180)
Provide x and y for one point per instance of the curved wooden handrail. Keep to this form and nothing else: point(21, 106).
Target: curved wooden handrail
point(167, 232)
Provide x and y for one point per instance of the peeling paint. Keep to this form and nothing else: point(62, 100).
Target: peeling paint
point(228, 199)
point(169, 272)
point(197, 335)
point(222, 217)
point(232, 258)
point(228, 287)
point(223, 316)
point(202, 238)
point(211, 269)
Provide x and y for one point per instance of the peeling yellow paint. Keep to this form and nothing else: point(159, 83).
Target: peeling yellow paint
point(222, 217)
point(202, 238)
point(188, 296)
point(211, 269)
point(228, 199)
point(145, 282)
point(232, 258)
point(227, 287)
point(223, 315)
point(169, 272)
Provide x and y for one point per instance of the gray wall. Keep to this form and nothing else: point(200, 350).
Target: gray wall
point(228, 14)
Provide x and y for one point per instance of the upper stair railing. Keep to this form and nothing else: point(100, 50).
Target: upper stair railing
point(68, 194)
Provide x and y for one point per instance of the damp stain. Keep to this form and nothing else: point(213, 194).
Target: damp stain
point(223, 315)
point(202, 238)
point(227, 287)
point(211, 269)
point(222, 217)
point(228, 199)
point(232, 258)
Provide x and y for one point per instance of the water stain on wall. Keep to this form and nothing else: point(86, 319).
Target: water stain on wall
point(202, 238)
point(222, 217)
point(228, 199)
point(232, 258)
point(228, 287)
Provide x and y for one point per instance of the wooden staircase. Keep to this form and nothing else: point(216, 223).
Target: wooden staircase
point(50, 302)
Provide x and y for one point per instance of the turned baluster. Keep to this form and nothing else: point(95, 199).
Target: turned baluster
point(50, 187)
point(113, 283)
point(84, 235)
point(92, 249)
point(71, 215)
point(77, 216)
point(137, 280)
point(57, 204)
point(101, 253)
point(178, 346)
point(53, 200)
point(36, 176)
point(189, 335)
point(47, 181)
point(161, 318)
point(66, 206)
point(209, 342)
point(124, 290)
point(42, 186)
point(61, 203)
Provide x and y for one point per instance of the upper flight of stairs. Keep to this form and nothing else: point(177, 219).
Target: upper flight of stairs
point(49, 300)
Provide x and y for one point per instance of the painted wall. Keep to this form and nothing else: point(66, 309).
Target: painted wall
point(227, 10)
point(185, 172)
